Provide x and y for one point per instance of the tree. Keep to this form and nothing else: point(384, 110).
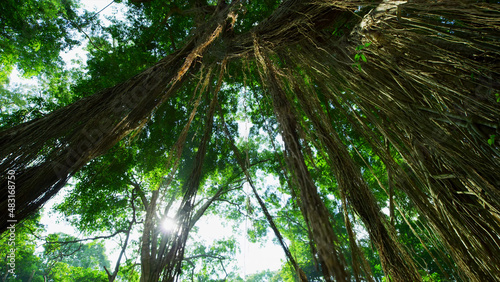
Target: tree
point(65, 273)
point(33, 33)
point(265, 275)
point(25, 266)
point(413, 84)
point(63, 259)
point(60, 247)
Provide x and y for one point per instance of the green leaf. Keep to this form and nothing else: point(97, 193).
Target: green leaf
point(356, 57)
point(363, 57)
point(491, 141)
point(18, 101)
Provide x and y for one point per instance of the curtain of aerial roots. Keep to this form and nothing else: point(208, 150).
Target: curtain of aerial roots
point(313, 209)
point(44, 153)
point(429, 87)
point(395, 261)
point(443, 119)
point(394, 258)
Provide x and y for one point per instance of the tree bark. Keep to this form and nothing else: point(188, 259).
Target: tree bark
point(312, 207)
point(44, 153)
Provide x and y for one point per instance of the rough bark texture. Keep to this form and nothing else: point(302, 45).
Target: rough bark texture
point(44, 153)
point(312, 207)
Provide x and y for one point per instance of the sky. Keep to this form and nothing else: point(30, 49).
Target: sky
point(252, 257)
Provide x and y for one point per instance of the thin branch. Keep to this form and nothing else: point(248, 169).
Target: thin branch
point(236, 205)
point(112, 277)
point(86, 239)
point(205, 256)
point(84, 33)
point(139, 191)
point(95, 15)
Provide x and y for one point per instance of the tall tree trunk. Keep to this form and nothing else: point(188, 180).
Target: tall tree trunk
point(313, 209)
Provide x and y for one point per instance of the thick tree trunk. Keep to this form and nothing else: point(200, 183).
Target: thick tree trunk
point(312, 207)
point(44, 153)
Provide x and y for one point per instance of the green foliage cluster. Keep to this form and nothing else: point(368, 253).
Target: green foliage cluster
point(33, 33)
point(59, 262)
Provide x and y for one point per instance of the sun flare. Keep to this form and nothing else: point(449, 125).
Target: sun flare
point(168, 225)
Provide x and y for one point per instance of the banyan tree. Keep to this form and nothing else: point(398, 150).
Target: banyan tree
point(417, 81)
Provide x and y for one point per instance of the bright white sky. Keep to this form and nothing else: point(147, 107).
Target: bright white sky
point(252, 258)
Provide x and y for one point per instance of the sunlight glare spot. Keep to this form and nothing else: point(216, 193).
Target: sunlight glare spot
point(168, 225)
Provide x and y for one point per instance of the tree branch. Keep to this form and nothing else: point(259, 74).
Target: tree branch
point(86, 239)
point(139, 191)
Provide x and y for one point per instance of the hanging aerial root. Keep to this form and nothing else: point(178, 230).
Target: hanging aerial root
point(169, 253)
point(428, 86)
point(312, 207)
point(395, 260)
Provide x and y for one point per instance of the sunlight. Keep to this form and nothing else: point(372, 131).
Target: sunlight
point(168, 225)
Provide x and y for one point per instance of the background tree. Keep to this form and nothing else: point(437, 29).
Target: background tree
point(28, 266)
point(33, 33)
point(67, 249)
point(64, 258)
